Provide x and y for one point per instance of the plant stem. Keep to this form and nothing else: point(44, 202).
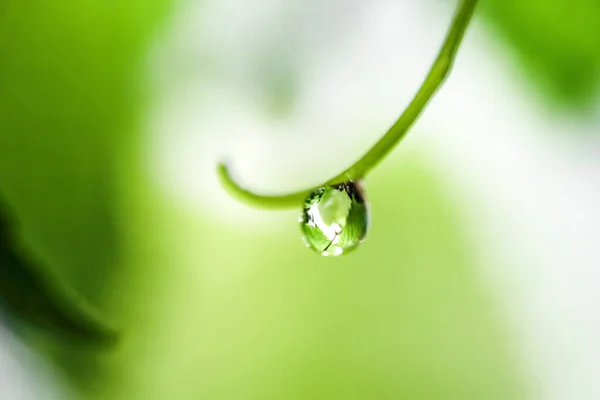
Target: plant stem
point(436, 76)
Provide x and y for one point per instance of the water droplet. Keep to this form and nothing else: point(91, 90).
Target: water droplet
point(335, 218)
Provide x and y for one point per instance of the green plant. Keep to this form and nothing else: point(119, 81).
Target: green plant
point(436, 76)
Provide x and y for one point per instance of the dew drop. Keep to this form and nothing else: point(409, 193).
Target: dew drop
point(335, 218)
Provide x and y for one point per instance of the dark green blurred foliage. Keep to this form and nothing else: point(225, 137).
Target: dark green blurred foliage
point(28, 293)
point(70, 74)
point(68, 85)
point(557, 43)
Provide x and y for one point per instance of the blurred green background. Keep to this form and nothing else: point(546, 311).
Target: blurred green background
point(212, 308)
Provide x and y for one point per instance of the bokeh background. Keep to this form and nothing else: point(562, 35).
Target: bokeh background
point(479, 276)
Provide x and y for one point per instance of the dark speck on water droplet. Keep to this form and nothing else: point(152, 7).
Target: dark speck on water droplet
point(335, 218)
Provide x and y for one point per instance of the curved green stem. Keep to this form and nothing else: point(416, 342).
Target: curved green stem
point(436, 76)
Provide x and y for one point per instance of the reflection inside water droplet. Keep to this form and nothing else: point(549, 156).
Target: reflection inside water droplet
point(335, 218)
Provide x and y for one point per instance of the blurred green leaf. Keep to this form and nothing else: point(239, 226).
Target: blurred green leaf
point(32, 296)
point(71, 90)
point(69, 87)
point(557, 43)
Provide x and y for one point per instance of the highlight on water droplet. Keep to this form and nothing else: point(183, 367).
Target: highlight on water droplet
point(335, 218)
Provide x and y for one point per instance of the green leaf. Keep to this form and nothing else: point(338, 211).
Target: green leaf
point(71, 92)
point(556, 42)
point(29, 295)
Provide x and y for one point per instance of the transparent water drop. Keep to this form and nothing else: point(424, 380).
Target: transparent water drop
point(335, 218)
